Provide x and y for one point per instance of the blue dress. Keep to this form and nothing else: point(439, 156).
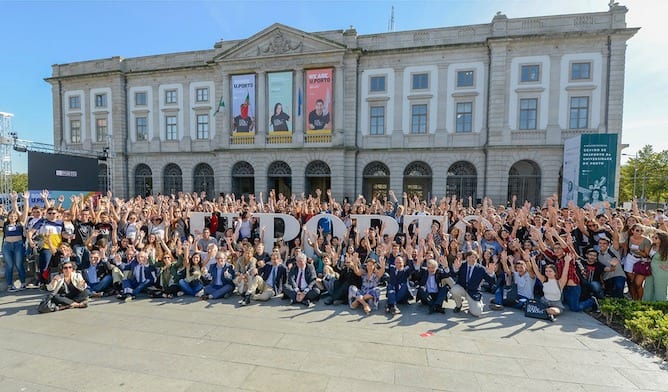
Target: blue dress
point(369, 286)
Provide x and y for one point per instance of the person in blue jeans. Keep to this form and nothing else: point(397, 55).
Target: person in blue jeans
point(142, 275)
point(397, 288)
point(97, 273)
point(192, 283)
point(221, 274)
point(13, 245)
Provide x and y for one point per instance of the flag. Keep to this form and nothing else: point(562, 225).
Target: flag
point(221, 104)
point(245, 106)
point(299, 103)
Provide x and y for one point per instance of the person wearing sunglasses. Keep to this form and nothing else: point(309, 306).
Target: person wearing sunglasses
point(68, 288)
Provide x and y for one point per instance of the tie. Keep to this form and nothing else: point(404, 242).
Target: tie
point(141, 274)
point(469, 273)
point(299, 280)
point(273, 275)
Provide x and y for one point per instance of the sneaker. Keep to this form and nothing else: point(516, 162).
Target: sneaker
point(32, 286)
point(328, 301)
point(595, 306)
point(495, 306)
point(22, 287)
point(180, 294)
point(129, 298)
point(396, 310)
point(439, 309)
point(199, 293)
point(247, 299)
point(11, 289)
point(457, 309)
point(550, 317)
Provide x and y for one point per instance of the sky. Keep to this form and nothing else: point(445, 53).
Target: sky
point(37, 34)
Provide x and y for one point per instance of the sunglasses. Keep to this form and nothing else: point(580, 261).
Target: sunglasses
point(67, 267)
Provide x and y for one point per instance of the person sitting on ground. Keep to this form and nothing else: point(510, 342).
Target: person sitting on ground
point(68, 287)
point(524, 276)
point(220, 274)
point(552, 287)
point(273, 275)
point(301, 287)
point(191, 283)
point(98, 274)
point(469, 276)
point(141, 276)
point(347, 277)
point(431, 287)
point(368, 295)
point(398, 291)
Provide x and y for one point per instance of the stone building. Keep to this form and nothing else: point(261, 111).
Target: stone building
point(469, 110)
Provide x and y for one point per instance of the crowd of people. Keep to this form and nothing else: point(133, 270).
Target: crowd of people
point(561, 258)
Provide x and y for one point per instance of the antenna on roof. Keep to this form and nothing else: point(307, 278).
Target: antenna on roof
point(390, 23)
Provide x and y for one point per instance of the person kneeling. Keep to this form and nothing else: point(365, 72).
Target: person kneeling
point(469, 276)
point(68, 288)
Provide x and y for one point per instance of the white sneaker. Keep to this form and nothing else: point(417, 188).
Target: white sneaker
point(199, 293)
point(12, 289)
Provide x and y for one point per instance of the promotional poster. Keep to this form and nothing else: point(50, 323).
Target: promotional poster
point(319, 100)
point(280, 102)
point(243, 103)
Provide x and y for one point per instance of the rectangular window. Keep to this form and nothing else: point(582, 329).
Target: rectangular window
point(419, 119)
point(465, 78)
point(100, 100)
point(101, 130)
point(202, 94)
point(75, 131)
point(170, 96)
point(142, 128)
point(75, 102)
point(377, 84)
point(377, 117)
point(140, 99)
point(170, 128)
point(579, 113)
point(580, 71)
point(420, 81)
point(464, 117)
point(202, 126)
point(530, 73)
point(528, 112)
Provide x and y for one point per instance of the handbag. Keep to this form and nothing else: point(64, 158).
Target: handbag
point(510, 295)
point(47, 305)
point(643, 268)
point(536, 309)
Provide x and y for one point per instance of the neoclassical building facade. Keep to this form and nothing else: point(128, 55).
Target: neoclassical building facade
point(478, 110)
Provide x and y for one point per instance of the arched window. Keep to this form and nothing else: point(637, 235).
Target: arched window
point(172, 180)
point(524, 181)
point(203, 180)
point(318, 176)
point(243, 179)
point(417, 180)
point(102, 177)
point(376, 180)
point(462, 180)
point(279, 178)
point(143, 180)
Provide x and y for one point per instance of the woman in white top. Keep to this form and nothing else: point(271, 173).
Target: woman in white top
point(552, 287)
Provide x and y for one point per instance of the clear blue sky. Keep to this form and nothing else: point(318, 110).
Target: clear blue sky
point(37, 34)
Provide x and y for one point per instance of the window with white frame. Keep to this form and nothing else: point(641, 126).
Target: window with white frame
point(75, 131)
point(420, 81)
point(141, 125)
point(528, 113)
point(377, 120)
point(75, 102)
point(170, 96)
point(377, 84)
point(141, 98)
point(465, 78)
point(171, 131)
point(101, 130)
point(100, 100)
point(202, 94)
point(579, 113)
point(202, 126)
point(530, 73)
point(464, 117)
point(419, 118)
point(581, 71)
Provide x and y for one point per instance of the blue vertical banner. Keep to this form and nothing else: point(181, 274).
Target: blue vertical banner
point(590, 170)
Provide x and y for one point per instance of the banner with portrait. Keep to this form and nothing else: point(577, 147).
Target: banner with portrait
point(590, 170)
point(319, 100)
point(280, 101)
point(243, 103)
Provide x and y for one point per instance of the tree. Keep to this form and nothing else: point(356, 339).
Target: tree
point(20, 182)
point(648, 173)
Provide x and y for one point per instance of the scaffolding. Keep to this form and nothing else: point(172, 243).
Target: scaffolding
point(6, 132)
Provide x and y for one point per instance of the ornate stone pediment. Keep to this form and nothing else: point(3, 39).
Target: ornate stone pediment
point(278, 40)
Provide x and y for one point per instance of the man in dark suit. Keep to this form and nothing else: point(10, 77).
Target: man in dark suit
point(301, 287)
point(431, 288)
point(469, 276)
point(397, 288)
point(141, 276)
point(273, 276)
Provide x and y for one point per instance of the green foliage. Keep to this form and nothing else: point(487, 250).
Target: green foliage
point(20, 182)
point(649, 172)
point(646, 321)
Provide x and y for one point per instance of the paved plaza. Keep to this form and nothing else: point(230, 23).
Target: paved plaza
point(190, 345)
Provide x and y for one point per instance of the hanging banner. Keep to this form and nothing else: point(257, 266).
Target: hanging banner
point(319, 100)
point(280, 102)
point(590, 169)
point(243, 103)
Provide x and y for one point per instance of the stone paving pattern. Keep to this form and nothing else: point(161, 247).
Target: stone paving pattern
point(190, 345)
